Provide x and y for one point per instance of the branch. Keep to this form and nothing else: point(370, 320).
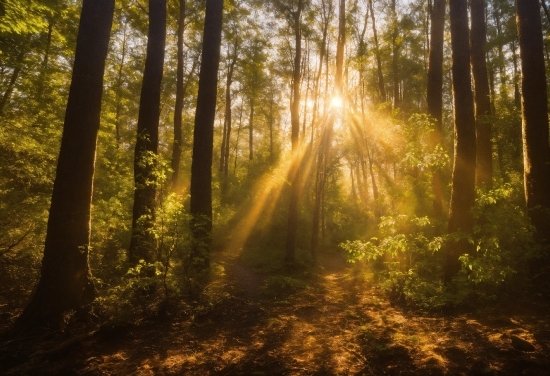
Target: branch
point(17, 242)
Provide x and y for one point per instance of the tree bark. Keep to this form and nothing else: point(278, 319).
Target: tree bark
point(292, 223)
point(201, 165)
point(13, 79)
point(143, 244)
point(178, 108)
point(484, 147)
point(463, 180)
point(435, 94)
point(395, 58)
point(536, 150)
point(381, 87)
point(65, 282)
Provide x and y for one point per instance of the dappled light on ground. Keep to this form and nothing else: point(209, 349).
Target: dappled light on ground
point(339, 323)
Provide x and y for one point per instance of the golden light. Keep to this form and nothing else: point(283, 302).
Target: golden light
point(336, 102)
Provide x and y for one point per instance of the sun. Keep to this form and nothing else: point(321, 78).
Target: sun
point(336, 102)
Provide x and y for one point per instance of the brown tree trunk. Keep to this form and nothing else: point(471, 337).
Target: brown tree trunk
point(13, 79)
point(178, 108)
point(142, 243)
point(201, 165)
point(395, 58)
point(227, 123)
point(536, 150)
point(484, 147)
point(294, 176)
point(463, 180)
point(435, 94)
point(65, 281)
point(251, 130)
point(381, 87)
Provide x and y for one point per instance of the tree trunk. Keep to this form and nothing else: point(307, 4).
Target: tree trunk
point(13, 79)
point(395, 58)
point(294, 176)
point(463, 180)
point(381, 87)
point(435, 94)
point(143, 244)
point(536, 150)
point(251, 130)
point(484, 147)
point(224, 154)
point(201, 165)
point(178, 108)
point(65, 282)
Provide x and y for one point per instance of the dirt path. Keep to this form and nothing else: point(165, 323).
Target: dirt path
point(334, 323)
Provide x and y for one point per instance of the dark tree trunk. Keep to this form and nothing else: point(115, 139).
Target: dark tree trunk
point(294, 176)
point(251, 130)
point(435, 94)
point(201, 166)
point(536, 150)
point(484, 148)
point(65, 282)
point(118, 90)
point(381, 87)
point(13, 79)
point(224, 155)
point(326, 132)
point(45, 60)
point(395, 58)
point(143, 244)
point(178, 108)
point(517, 94)
point(463, 180)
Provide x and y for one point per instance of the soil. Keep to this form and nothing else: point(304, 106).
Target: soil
point(335, 322)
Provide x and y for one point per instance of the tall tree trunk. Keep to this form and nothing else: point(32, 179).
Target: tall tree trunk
point(201, 165)
point(326, 132)
point(142, 243)
point(517, 94)
point(178, 108)
point(13, 79)
point(435, 94)
point(463, 180)
point(227, 123)
point(536, 150)
point(395, 58)
point(118, 89)
point(381, 87)
point(65, 281)
point(294, 176)
point(251, 129)
point(484, 147)
point(45, 60)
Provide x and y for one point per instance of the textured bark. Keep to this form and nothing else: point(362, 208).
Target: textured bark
point(178, 108)
point(65, 281)
point(484, 148)
point(292, 223)
point(435, 94)
point(201, 165)
point(536, 150)
point(463, 180)
point(381, 87)
point(143, 244)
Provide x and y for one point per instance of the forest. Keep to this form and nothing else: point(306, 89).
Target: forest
point(276, 187)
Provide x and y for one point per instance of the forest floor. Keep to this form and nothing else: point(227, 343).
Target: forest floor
point(333, 322)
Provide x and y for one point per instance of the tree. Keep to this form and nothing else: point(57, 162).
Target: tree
point(142, 245)
point(201, 167)
point(292, 223)
point(65, 281)
point(435, 93)
point(381, 86)
point(536, 150)
point(463, 179)
point(484, 149)
point(180, 92)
